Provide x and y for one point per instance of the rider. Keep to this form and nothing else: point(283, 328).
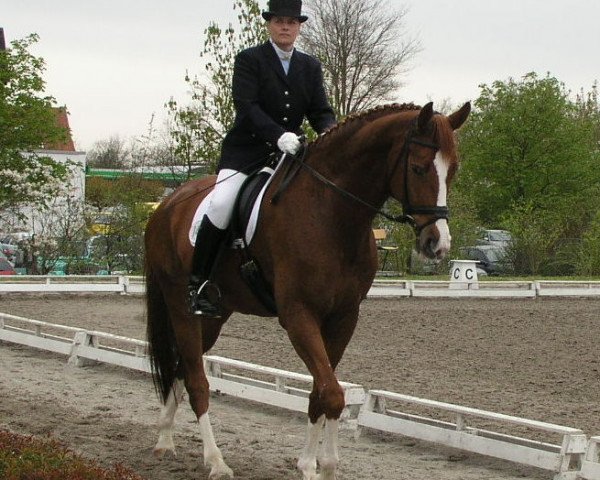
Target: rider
point(274, 87)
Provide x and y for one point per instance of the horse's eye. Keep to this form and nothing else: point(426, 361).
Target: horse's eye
point(419, 170)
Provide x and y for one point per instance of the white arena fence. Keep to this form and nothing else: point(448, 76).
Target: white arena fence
point(573, 456)
point(381, 288)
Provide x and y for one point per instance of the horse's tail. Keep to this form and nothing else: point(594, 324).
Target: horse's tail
point(162, 348)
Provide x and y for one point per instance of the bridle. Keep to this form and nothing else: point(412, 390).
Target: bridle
point(437, 212)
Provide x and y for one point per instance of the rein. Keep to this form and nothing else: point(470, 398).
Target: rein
point(406, 217)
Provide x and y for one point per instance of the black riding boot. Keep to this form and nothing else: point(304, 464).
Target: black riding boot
point(208, 242)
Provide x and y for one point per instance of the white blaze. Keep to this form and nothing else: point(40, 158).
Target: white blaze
point(441, 167)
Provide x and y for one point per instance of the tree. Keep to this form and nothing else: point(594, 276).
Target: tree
point(57, 237)
point(362, 47)
point(199, 128)
point(524, 146)
point(110, 153)
point(530, 161)
point(124, 204)
point(27, 123)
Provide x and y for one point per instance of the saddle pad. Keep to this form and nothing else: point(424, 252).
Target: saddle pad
point(251, 227)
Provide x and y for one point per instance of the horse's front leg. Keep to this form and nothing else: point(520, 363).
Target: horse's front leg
point(326, 400)
point(335, 337)
point(307, 463)
point(328, 460)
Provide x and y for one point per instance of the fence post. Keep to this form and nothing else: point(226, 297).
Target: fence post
point(82, 339)
point(124, 282)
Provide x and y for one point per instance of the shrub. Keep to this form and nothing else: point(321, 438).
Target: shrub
point(30, 458)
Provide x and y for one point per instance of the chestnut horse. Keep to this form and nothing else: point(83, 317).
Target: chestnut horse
point(316, 249)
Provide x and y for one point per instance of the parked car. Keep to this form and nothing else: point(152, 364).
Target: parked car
point(12, 252)
point(495, 237)
point(6, 268)
point(492, 258)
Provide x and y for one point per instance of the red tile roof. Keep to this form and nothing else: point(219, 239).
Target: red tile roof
point(62, 120)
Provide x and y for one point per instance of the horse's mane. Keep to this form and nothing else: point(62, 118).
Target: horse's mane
point(355, 121)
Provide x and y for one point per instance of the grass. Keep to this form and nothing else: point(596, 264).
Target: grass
point(31, 458)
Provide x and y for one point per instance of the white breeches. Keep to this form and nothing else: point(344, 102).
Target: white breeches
point(222, 200)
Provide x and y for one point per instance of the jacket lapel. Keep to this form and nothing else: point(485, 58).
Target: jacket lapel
point(296, 64)
point(274, 61)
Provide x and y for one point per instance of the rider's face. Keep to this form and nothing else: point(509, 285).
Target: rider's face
point(284, 31)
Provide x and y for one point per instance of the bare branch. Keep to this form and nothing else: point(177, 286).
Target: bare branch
point(363, 49)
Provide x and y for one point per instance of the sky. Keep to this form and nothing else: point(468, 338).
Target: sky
point(114, 63)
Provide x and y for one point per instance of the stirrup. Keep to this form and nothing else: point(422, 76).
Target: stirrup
point(200, 304)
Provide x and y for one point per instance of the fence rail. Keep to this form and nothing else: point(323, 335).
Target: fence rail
point(381, 288)
point(564, 458)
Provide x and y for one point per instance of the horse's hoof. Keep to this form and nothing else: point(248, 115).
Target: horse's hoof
point(220, 471)
point(159, 452)
point(325, 476)
point(308, 469)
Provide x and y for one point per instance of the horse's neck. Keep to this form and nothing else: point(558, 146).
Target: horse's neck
point(358, 161)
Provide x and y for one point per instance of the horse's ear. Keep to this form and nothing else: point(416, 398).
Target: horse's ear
point(424, 117)
point(458, 118)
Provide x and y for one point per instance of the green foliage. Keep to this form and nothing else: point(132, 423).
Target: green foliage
point(198, 128)
point(27, 122)
point(534, 238)
point(588, 262)
point(530, 158)
point(524, 145)
point(125, 205)
point(25, 457)
point(121, 246)
point(101, 193)
point(463, 222)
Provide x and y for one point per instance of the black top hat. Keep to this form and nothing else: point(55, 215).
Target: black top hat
point(285, 8)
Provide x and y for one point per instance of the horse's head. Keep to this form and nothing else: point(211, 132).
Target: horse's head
point(421, 176)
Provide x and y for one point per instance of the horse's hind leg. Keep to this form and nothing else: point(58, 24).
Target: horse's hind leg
point(166, 420)
point(194, 336)
point(198, 390)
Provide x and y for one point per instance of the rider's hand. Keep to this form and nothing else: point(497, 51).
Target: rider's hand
point(289, 143)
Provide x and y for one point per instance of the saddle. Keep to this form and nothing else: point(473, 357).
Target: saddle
point(244, 220)
point(242, 227)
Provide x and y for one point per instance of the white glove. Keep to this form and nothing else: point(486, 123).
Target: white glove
point(289, 143)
